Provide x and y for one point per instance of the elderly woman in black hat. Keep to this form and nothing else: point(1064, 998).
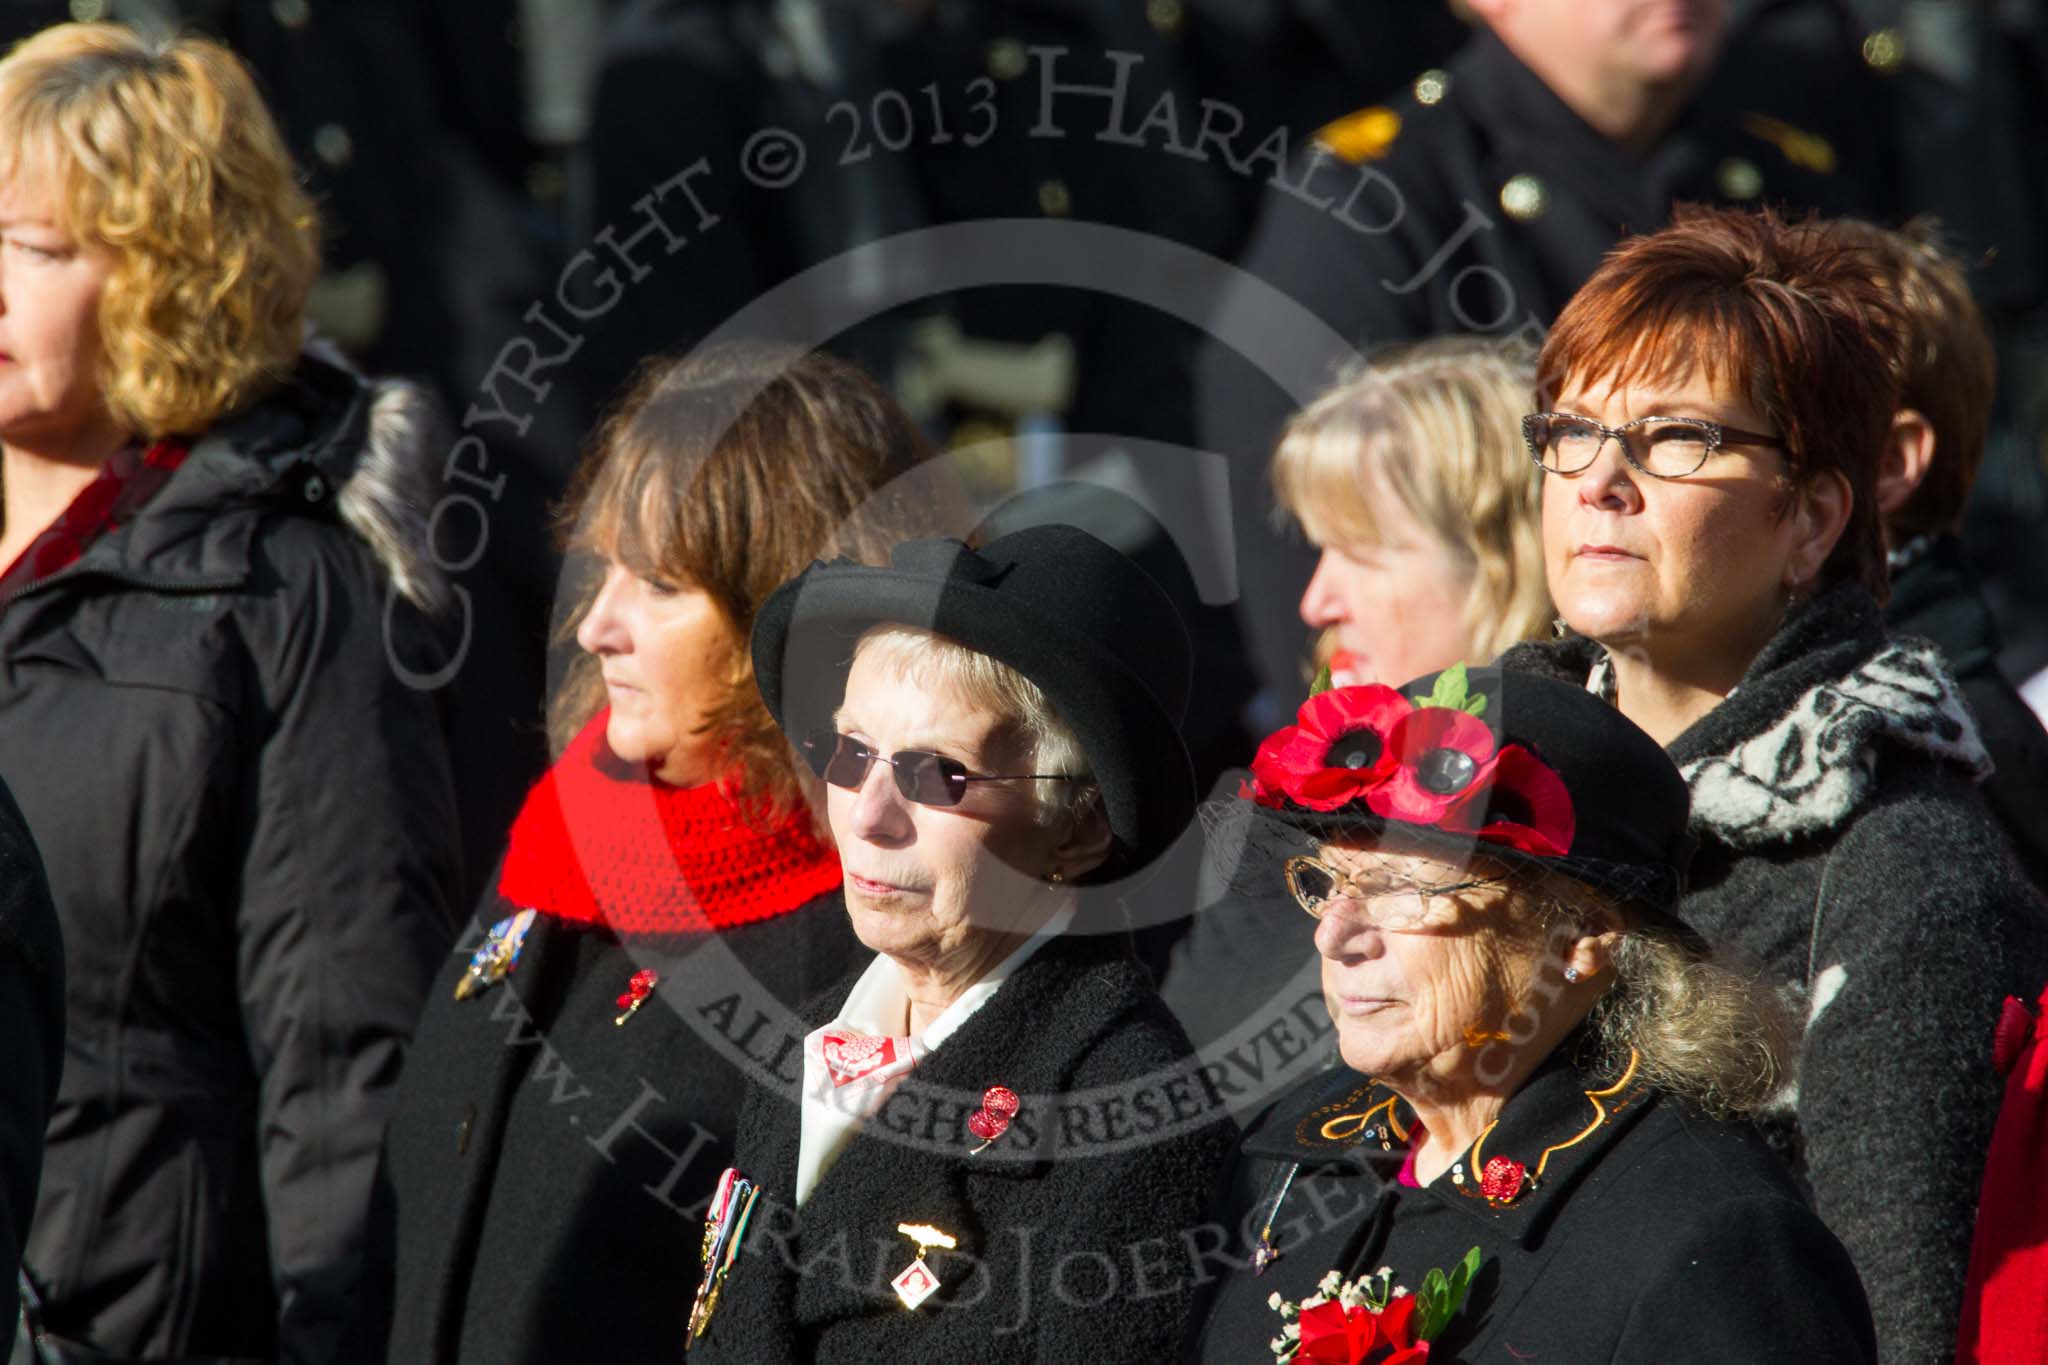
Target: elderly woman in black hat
point(995, 1143)
point(1528, 1150)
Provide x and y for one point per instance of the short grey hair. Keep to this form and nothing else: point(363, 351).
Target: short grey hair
point(1028, 716)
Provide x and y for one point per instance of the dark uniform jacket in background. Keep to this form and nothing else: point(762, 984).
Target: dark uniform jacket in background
point(32, 1020)
point(549, 1168)
point(1936, 596)
point(249, 829)
point(1479, 202)
point(1843, 845)
point(1653, 1235)
point(1096, 1197)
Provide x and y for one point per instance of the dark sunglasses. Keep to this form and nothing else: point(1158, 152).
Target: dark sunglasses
point(928, 779)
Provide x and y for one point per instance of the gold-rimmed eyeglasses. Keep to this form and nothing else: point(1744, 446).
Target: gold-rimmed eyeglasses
point(1383, 894)
point(1661, 447)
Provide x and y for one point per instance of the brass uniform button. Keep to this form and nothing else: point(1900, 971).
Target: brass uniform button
point(1739, 178)
point(1524, 198)
point(1432, 85)
point(333, 145)
point(1007, 59)
point(1165, 16)
point(1054, 200)
point(1885, 51)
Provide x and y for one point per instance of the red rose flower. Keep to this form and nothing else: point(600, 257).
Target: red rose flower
point(1332, 1334)
point(1341, 747)
point(1442, 754)
point(1525, 804)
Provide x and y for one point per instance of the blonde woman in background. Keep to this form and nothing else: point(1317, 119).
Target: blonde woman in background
point(1410, 475)
point(211, 548)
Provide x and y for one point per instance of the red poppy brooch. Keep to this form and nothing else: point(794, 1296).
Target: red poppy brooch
point(1431, 762)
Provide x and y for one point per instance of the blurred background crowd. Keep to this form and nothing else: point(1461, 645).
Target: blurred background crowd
point(522, 201)
point(463, 154)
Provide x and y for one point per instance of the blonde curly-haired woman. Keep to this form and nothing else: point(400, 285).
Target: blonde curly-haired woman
point(207, 580)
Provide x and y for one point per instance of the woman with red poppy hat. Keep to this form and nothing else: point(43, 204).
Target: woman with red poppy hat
point(1533, 1142)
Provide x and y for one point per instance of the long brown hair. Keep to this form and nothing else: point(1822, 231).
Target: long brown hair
point(730, 469)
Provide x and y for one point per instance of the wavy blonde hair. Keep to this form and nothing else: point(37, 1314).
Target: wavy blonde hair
point(1437, 425)
point(161, 153)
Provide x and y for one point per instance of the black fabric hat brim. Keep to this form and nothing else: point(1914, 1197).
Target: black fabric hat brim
point(1248, 843)
point(803, 642)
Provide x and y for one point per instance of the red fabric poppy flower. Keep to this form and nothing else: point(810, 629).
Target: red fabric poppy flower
point(1502, 1178)
point(1525, 805)
point(1341, 747)
point(1332, 1334)
point(1441, 755)
point(1397, 1322)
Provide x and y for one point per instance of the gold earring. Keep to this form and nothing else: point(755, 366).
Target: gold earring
point(1056, 878)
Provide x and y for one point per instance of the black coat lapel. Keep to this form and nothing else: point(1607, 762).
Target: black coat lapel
point(1028, 1037)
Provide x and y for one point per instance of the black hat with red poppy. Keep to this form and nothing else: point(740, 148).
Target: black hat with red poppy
point(1526, 771)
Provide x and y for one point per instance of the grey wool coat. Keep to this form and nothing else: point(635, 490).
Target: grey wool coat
point(1844, 846)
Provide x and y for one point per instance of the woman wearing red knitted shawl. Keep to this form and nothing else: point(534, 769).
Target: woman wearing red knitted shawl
point(572, 1094)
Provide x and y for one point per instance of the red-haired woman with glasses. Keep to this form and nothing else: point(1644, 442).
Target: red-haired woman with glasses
point(1715, 402)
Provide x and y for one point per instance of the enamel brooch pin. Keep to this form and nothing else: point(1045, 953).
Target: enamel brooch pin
point(918, 1281)
point(992, 1120)
point(494, 961)
point(638, 989)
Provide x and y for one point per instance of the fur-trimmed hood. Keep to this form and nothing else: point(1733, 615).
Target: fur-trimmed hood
point(381, 452)
point(388, 497)
point(1794, 750)
point(326, 443)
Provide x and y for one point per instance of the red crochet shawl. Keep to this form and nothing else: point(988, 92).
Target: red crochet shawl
point(599, 841)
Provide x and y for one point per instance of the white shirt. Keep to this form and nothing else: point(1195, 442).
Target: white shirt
point(877, 1005)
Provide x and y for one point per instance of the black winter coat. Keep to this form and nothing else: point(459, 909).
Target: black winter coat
point(549, 1168)
point(32, 1020)
point(1936, 596)
point(1653, 1236)
point(1072, 1228)
point(249, 828)
point(1844, 846)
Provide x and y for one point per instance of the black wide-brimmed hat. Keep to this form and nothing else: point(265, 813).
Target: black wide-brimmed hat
point(1525, 771)
point(1076, 617)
